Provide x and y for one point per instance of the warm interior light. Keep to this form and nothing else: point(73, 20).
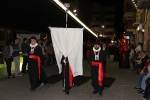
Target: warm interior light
point(72, 15)
point(100, 35)
point(74, 10)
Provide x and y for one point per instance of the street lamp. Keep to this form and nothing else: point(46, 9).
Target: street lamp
point(103, 26)
point(74, 11)
point(103, 30)
point(73, 16)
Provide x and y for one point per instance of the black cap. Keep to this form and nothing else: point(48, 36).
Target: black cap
point(96, 42)
point(33, 38)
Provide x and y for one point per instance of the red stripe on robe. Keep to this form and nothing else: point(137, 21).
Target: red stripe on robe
point(70, 77)
point(39, 63)
point(100, 72)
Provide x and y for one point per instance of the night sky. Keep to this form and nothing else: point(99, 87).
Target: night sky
point(119, 17)
point(37, 15)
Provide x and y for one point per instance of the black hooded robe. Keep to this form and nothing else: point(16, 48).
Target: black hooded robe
point(34, 71)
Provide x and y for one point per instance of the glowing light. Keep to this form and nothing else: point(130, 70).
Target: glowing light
point(73, 16)
point(100, 35)
point(74, 10)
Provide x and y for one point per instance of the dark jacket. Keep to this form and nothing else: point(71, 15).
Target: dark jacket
point(6, 51)
point(15, 50)
point(25, 49)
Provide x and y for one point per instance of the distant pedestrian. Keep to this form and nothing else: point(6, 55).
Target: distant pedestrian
point(7, 52)
point(25, 51)
point(16, 57)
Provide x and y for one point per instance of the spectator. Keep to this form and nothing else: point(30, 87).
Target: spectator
point(7, 52)
point(131, 55)
point(141, 62)
point(25, 53)
point(138, 48)
point(50, 53)
point(145, 73)
point(16, 57)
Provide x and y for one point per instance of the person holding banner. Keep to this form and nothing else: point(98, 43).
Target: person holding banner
point(37, 75)
point(97, 59)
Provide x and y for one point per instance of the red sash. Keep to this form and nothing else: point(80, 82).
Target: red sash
point(100, 72)
point(39, 63)
point(70, 77)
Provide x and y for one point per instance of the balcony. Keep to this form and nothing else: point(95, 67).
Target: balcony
point(143, 4)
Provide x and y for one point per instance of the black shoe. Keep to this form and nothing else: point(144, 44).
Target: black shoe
point(141, 91)
point(95, 92)
point(100, 94)
point(11, 77)
point(136, 87)
point(67, 92)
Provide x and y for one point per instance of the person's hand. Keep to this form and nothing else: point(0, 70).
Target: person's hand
point(142, 72)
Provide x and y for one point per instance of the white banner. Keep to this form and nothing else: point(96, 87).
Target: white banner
point(70, 45)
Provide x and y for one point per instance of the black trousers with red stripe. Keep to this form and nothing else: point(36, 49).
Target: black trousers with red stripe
point(94, 77)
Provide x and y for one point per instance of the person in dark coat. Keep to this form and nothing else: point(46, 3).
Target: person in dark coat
point(25, 51)
point(7, 52)
point(116, 53)
point(37, 75)
point(97, 60)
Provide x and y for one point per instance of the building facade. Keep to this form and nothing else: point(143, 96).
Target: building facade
point(129, 19)
point(102, 19)
point(142, 23)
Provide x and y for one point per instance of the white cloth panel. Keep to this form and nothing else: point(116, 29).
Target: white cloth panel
point(69, 44)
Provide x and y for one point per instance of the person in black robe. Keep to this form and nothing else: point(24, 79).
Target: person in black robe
point(67, 77)
point(124, 55)
point(97, 60)
point(37, 75)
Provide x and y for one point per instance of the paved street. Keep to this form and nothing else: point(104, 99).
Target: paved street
point(121, 89)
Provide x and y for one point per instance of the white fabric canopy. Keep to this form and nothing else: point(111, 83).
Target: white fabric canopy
point(70, 44)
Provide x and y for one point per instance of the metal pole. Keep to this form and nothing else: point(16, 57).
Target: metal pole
point(65, 58)
point(66, 19)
